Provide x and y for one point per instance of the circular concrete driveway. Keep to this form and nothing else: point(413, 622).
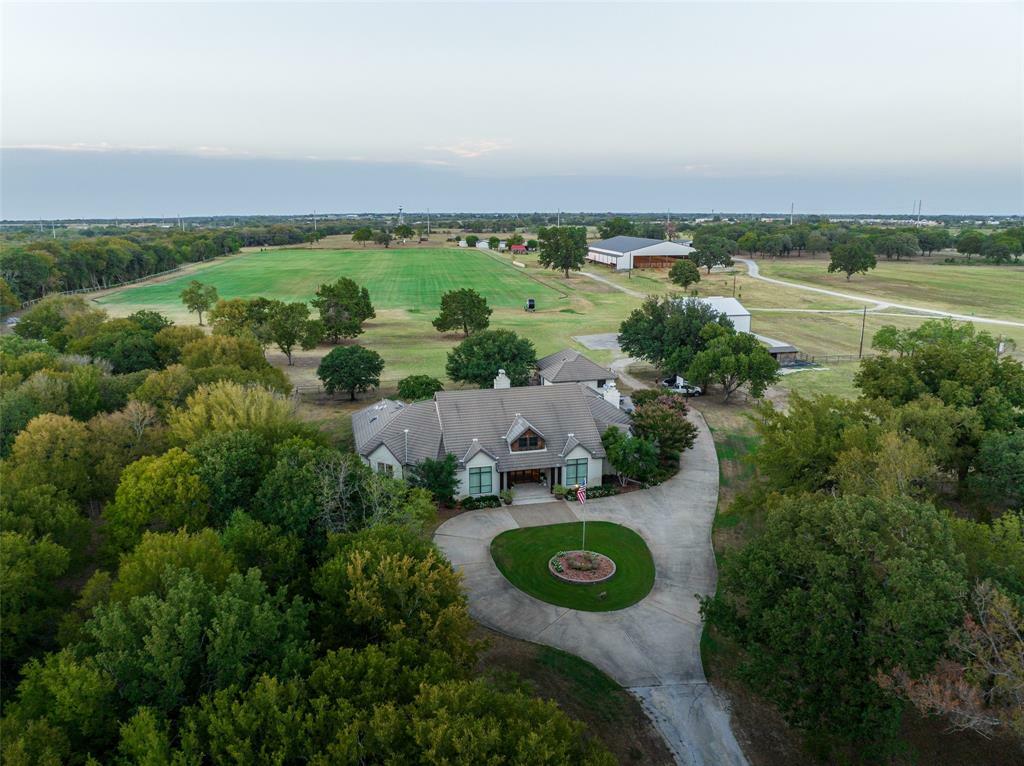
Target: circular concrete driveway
point(652, 647)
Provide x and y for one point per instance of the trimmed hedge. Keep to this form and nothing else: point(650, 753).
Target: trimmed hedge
point(602, 490)
point(484, 501)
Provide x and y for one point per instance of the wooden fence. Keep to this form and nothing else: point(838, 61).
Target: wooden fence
point(831, 358)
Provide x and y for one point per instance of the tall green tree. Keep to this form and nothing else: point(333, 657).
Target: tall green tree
point(663, 421)
point(563, 248)
point(616, 226)
point(833, 591)
point(463, 309)
point(362, 235)
point(350, 368)
point(970, 242)
point(343, 307)
point(198, 297)
point(733, 359)
point(667, 332)
point(289, 325)
point(899, 245)
point(439, 477)
point(684, 273)
point(714, 251)
point(852, 258)
point(479, 357)
point(416, 388)
point(632, 457)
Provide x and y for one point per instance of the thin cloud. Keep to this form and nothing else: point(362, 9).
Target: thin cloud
point(469, 149)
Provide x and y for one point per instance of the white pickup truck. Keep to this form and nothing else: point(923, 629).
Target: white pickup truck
point(680, 385)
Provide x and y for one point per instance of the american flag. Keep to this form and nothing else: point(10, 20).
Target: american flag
point(581, 492)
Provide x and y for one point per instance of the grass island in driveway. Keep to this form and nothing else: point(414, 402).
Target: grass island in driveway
point(522, 556)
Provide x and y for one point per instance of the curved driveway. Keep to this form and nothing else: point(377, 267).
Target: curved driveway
point(652, 647)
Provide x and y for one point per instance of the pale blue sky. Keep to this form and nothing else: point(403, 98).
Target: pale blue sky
point(153, 109)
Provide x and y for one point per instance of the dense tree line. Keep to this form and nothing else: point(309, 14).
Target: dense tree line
point(54, 265)
point(887, 568)
point(773, 240)
point(194, 574)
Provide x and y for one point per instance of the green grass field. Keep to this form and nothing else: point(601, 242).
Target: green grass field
point(397, 279)
point(522, 556)
point(405, 286)
point(987, 291)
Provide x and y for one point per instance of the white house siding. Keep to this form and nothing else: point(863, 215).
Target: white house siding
point(595, 466)
point(383, 455)
point(479, 460)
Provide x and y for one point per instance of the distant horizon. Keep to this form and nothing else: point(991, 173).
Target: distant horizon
point(66, 184)
point(157, 109)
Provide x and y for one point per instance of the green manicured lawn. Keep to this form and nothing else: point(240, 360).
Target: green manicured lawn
point(397, 279)
point(522, 555)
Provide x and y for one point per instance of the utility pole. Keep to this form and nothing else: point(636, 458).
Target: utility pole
point(790, 213)
point(314, 222)
point(863, 323)
point(428, 221)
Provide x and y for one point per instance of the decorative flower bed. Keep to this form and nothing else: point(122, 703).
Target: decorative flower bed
point(581, 567)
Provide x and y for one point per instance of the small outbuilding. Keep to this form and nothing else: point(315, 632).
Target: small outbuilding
point(517, 249)
point(732, 308)
point(785, 354)
point(624, 253)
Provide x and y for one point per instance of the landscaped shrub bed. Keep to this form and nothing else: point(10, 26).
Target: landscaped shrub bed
point(484, 501)
point(602, 490)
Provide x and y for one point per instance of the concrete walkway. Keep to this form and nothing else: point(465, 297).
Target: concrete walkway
point(652, 647)
point(754, 271)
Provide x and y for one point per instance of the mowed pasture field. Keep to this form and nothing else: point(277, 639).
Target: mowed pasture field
point(400, 278)
point(996, 292)
point(406, 286)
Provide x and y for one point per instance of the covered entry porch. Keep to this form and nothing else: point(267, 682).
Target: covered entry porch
point(541, 477)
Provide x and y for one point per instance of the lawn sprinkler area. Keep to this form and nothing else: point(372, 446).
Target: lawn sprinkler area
point(614, 572)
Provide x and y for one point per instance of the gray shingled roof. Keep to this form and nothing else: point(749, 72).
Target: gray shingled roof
point(424, 434)
point(367, 423)
point(570, 366)
point(624, 244)
point(488, 415)
point(604, 413)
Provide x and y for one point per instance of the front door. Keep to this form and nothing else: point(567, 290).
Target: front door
point(524, 477)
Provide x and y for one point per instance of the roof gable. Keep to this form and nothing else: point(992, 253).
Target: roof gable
point(570, 366)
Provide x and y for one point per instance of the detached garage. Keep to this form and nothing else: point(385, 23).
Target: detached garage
point(624, 253)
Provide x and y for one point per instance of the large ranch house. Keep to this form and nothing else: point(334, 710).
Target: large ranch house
point(625, 253)
point(502, 437)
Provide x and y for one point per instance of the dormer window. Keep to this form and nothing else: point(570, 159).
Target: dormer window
point(527, 440)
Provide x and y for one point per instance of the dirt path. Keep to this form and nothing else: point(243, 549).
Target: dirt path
point(620, 288)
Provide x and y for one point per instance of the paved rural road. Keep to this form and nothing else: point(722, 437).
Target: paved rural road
point(754, 271)
point(652, 647)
